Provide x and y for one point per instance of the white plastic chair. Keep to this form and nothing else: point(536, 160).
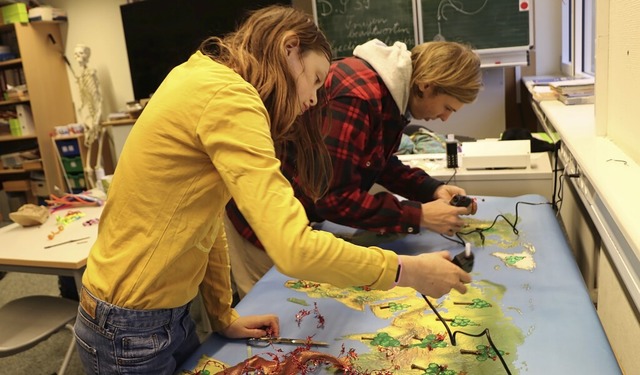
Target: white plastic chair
point(27, 321)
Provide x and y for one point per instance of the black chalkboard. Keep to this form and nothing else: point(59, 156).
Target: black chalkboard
point(501, 31)
point(483, 24)
point(348, 23)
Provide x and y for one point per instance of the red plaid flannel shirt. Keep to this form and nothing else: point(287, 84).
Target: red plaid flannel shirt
point(364, 133)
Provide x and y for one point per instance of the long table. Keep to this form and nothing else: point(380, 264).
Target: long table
point(526, 290)
point(29, 249)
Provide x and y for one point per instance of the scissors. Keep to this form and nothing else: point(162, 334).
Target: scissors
point(262, 342)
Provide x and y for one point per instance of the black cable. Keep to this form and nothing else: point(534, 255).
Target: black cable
point(459, 241)
point(480, 231)
point(452, 335)
point(560, 192)
point(554, 203)
point(455, 170)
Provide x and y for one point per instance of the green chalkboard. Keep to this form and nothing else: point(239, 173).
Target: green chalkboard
point(348, 23)
point(484, 24)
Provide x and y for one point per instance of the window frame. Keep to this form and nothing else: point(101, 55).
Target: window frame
point(578, 37)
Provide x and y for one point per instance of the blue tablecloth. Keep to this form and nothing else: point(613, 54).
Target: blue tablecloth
point(549, 304)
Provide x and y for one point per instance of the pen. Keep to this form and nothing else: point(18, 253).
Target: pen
point(66, 242)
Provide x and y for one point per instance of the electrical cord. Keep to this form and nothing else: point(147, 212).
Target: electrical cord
point(560, 194)
point(554, 203)
point(455, 171)
point(452, 335)
point(480, 231)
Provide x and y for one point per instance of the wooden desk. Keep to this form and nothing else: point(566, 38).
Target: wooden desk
point(540, 313)
point(24, 249)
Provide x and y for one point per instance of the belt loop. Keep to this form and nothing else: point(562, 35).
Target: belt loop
point(103, 313)
point(179, 312)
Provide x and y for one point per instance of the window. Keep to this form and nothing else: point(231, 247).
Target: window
point(567, 38)
point(589, 40)
point(578, 37)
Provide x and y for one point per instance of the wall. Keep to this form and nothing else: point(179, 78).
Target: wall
point(547, 36)
point(619, 54)
point(97, 23)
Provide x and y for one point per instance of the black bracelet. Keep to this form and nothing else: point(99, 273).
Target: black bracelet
point(399, 271)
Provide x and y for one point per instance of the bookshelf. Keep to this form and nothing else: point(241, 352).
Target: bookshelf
point(71, 157)
point(39, 65)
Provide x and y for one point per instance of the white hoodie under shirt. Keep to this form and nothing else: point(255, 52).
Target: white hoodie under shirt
point(393, 65)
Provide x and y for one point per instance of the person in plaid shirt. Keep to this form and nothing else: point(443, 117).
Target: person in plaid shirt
point(372, 96)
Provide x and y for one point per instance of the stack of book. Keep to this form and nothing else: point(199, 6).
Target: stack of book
point(575, 91)
point(543, 92)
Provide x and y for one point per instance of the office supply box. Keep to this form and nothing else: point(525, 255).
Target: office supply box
point(15, 13)
point(494, 154)
point(47, 14)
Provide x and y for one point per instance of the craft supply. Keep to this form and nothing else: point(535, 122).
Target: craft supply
point(72, 200)
point(299, 301)
point(53, 234)
point(66, 242)
point(266, 341)
point(30, 215)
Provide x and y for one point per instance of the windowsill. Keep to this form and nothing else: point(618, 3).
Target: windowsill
point(607, 184)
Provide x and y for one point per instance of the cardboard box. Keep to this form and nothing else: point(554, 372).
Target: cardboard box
point(25, 119)
point(14, 127)
point(39, 188)
point(32, 165)
point(15, 13)
point(13, 160)
point(47, 14)
point(17, 185)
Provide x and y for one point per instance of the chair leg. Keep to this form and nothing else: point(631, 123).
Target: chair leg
point(67, 357)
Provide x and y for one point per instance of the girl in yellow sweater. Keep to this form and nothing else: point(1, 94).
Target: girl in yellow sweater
point(212, 131)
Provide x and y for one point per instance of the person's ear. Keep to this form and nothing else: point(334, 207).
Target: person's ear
point(420, 89)
point(423, 89)
point(291, 45)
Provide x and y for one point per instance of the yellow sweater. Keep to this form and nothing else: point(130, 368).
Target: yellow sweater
point(204, 137)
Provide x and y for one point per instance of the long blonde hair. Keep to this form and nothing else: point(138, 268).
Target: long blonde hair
point(452, 68)
point(257, 51)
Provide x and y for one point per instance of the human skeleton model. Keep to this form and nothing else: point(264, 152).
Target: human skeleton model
point(90, 111)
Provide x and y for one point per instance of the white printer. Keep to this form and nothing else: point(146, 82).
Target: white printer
point(496, 154)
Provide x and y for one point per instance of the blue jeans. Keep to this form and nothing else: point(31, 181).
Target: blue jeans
point(115, 340)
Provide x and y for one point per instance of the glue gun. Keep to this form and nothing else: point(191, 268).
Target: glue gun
point(461, 201)
point(464, 259)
